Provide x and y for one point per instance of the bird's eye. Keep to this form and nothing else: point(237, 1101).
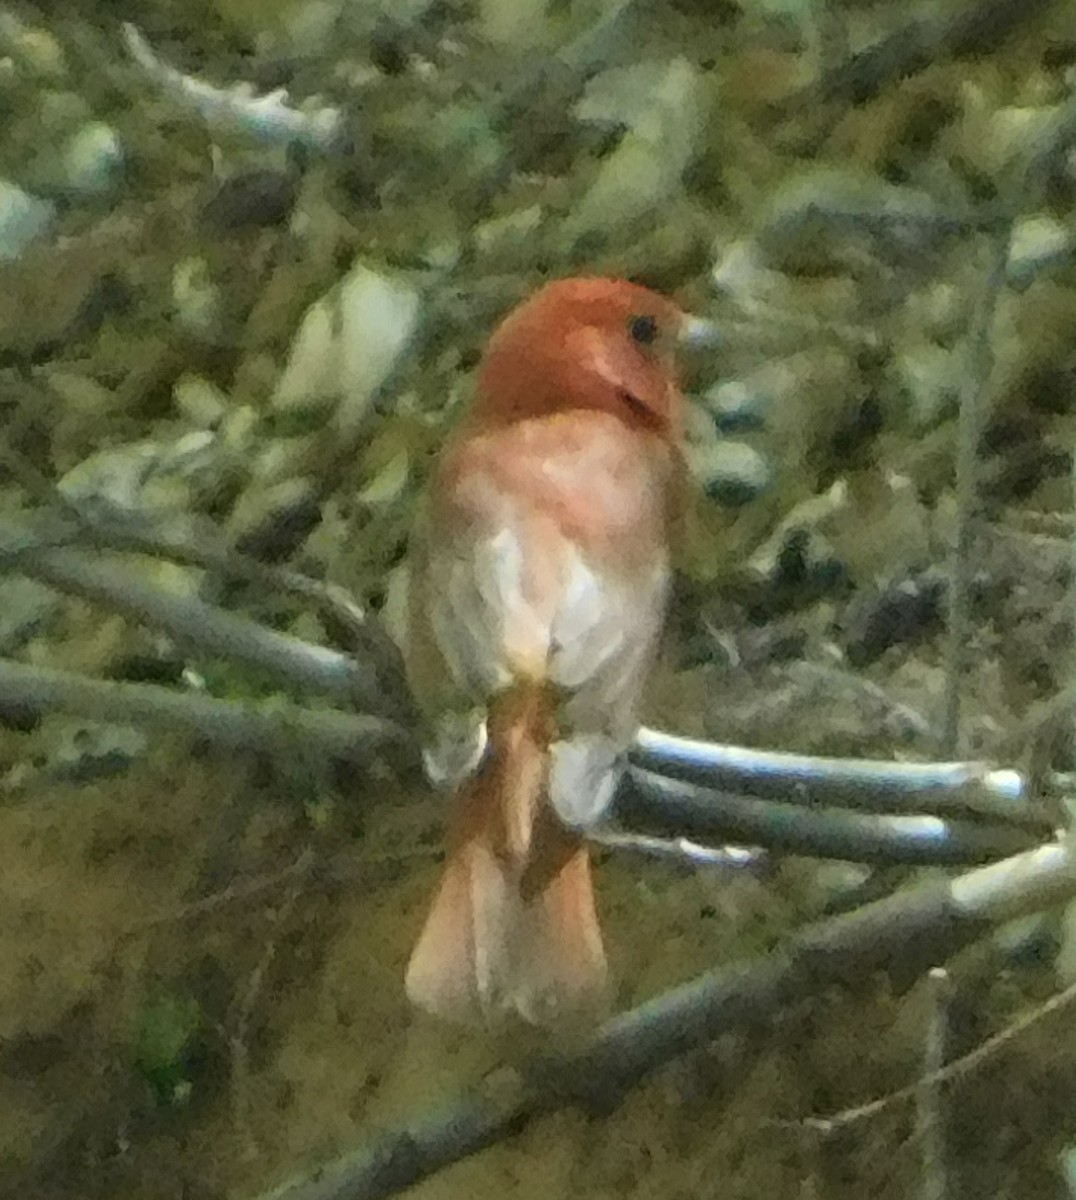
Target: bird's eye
point(643, 330)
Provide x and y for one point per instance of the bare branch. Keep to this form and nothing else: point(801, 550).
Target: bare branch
point(652, 813)
point(683, 850)
point(903, 935)
point(973, 408)
point(238, 1036)
point(200, 543)
point(651, 804)
point(930, 1113)
point(204, 628)
point(277, 727)
point(655, 806)
point(956, 1069)
point(947, 789)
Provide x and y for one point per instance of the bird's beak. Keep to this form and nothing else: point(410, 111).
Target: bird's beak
point(696, 333)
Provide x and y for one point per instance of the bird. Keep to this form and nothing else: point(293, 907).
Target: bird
point(539, 579)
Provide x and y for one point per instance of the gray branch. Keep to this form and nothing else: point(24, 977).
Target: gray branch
point(203, 628)
point(946, 789)
point(276, 726)
point(660, 807)
point(744, 795)
point(903, 935)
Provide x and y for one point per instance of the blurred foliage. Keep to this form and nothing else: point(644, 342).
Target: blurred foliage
point(168, 1025)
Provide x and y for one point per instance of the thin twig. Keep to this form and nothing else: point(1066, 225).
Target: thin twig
point(957, 1069)
point(188, 541)
point(234, 893)
point(238, 1039)
point(201, 544)
point(930, 1126)
point(1044, 152)
point(318, 873)
point(683, 850)
point(897, 713)
point(973, 409)
point(211, 552)
point(1072, 573)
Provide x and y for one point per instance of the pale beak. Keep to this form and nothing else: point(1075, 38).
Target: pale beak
point(697, 333)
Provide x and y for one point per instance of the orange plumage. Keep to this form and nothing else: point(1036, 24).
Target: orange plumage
point(539, 579)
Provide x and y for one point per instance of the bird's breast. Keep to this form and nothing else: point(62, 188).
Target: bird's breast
point(546, 557)
point(583, 477)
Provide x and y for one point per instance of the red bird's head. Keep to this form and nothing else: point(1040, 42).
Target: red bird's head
point(587, 343)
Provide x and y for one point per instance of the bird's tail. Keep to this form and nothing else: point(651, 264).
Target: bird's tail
point(513, 927)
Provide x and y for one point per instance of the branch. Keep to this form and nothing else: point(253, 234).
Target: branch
point(903, 935)
point(651, 804)
point(200, 543)
point(970, 425)
point(277, 727)
point(204, 628)
point(652, 814)
point(958, 1068)
point(654, 806)
point(930, 1108)
point(682, 850)
point(946, 789)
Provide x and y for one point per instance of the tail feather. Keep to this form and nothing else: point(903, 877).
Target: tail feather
point(455, 963)
point(513, 926)
point(564, 970)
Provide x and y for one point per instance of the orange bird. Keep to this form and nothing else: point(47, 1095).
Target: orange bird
point(539, 577)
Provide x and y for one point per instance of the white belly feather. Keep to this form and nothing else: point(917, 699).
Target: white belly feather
point(592, 635)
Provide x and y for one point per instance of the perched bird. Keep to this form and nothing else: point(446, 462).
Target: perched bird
point(539, 577)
